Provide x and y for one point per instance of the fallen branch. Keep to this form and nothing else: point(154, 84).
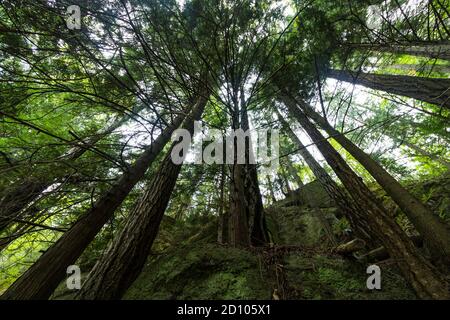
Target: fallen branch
point(350, 247)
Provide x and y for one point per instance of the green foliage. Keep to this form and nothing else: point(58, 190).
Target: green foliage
point(145, 62)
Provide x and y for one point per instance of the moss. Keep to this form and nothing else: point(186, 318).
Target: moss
point(186, 264)
point(297, 225)
point(202, 272)
point(322, 277)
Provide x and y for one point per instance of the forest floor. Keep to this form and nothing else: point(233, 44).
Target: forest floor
point(187, 262)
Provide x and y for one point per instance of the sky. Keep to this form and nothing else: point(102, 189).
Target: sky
point(361, 96)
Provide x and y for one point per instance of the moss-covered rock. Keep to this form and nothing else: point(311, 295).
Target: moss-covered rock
point(204, 271)
point(311, 194)
point(298, 225)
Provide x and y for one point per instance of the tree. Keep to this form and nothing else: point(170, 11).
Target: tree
point(15, 201)
point(423, 277)
point(125, 257)
point(345, 204)
point(41, 279)
point(431, 90)
point(437, 50)
point(429, 225)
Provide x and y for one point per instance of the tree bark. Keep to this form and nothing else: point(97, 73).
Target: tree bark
point(421, 68)
point(432, 90)
point(432, 50)
point(42, 278)
point(223, 219)
point(423, 277)
point(435, 232)
point(293, 172)
point(126, 255)
point(247, 218)
point(342, 200)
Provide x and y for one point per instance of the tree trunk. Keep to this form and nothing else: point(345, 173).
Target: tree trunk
point(125, 257)
point(239, 232)
point(223, 221)
point(435, 232)
point(432, 90)
point(15, 201)
point(421, 68)
point(423, 277)
point(341, 199)
point(432, 50)
point(247, 219)
point(293, 172)
point(41, 279)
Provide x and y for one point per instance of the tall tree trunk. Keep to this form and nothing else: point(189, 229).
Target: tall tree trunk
point(239, 231)
point(223, 218)
point(421, 68)
point(432, 90)
point(271, 191)
point(123, 261)
point(293, 172)
point(247, 219)
point(15, 201)
point(285, 180)
point(423, 277)
point(345, 205)
point(434, 231)
point(433, 50)
point(41, 279)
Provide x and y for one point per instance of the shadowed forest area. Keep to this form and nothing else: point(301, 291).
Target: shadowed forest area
point(92, 96)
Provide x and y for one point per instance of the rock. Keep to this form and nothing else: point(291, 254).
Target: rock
point(311, 194)
point(298, 225)
point(205, 271)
